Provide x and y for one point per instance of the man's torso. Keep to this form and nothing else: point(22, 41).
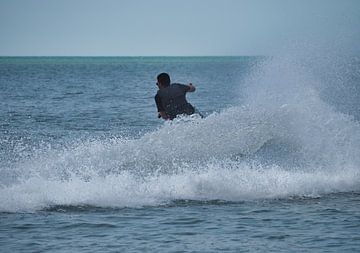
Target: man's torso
point(173, 100)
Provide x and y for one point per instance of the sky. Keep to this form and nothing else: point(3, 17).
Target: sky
point(172, 27)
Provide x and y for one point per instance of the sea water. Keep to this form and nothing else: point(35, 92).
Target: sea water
point(86, 165)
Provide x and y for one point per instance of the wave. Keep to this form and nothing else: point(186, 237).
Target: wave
point(284, 140)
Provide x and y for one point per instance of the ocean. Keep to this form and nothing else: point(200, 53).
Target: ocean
point(86, 165)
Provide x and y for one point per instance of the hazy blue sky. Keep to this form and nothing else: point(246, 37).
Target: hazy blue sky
point(172, 27)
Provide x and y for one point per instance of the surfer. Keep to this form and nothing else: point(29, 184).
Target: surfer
point(170, 98)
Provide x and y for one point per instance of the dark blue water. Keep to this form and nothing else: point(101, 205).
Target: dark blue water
point(86, 165)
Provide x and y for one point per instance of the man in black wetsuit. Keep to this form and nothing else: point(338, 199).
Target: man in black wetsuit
point(170, 98)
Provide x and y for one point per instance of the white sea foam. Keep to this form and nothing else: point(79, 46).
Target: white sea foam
point(225, 180)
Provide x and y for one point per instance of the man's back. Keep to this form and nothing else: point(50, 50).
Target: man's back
point(172, 100)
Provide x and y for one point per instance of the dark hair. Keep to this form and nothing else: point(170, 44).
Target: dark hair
point(164, 79)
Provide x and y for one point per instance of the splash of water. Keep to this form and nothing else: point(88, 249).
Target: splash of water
point(285, 140)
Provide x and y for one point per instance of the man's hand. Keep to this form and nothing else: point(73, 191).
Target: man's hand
point(162, 115)
point(192, 87)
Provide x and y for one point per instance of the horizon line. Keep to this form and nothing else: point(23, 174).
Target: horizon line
point(133, 56)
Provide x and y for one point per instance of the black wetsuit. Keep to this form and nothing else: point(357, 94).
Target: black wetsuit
point(172, 100)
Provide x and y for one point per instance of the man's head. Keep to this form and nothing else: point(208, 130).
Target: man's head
point(163, 79)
